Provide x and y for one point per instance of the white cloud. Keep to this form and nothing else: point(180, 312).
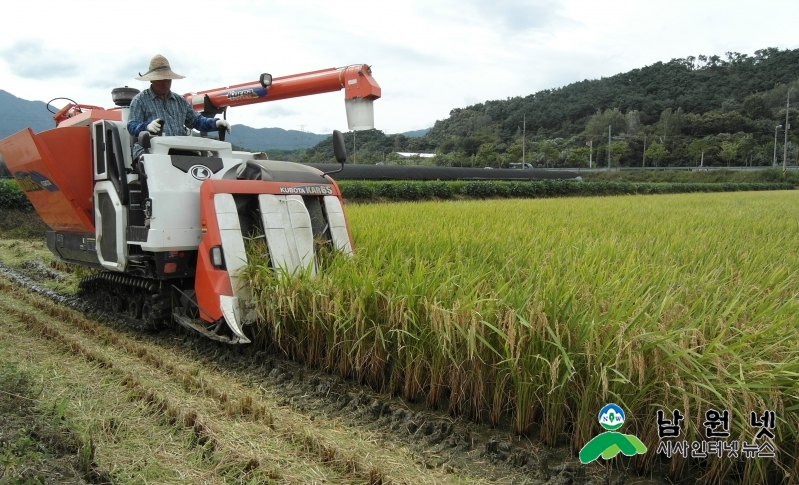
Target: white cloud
point(32, 59)
point(275, 110)
point(516, 16)
point(428, 57)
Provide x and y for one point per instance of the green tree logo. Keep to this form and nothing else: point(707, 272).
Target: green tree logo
point(610, 443)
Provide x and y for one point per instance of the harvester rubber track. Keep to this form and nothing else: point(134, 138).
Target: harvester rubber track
point(139, 302)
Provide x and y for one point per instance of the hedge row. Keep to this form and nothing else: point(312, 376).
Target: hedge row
point(360, 190)
point(11, 197)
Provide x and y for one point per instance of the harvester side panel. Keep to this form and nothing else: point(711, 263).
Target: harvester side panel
point(54, 170)
point(169, 189)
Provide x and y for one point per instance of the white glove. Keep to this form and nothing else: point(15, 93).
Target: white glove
point(223, 124)
point(154, 127)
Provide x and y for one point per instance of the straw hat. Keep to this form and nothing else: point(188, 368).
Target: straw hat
point(159, 69)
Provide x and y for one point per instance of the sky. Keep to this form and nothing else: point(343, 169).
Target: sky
point(428, 57)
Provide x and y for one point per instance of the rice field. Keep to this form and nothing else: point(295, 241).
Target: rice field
point(539, 312)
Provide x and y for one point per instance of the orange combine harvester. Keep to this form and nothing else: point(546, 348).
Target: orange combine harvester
point(167, 230)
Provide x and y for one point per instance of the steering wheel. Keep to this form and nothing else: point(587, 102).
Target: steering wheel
point(54, 112)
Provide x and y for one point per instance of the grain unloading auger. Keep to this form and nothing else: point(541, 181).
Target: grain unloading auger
point(167, 231)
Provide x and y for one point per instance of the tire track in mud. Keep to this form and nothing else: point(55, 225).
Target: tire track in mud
point(266, 392)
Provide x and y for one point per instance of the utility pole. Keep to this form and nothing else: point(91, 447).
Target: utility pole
point(608, 147)
point(787, 127)
point(643, 163)
point(776, 129)
point(590, 153)
point(524, 132)
point(702, 162)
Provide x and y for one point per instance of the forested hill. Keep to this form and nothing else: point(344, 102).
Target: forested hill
point(696, 85)
point(704, 109)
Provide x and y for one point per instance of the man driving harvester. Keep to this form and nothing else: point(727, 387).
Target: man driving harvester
point(160, 111)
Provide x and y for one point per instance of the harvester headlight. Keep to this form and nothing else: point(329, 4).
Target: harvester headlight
point(216, 256)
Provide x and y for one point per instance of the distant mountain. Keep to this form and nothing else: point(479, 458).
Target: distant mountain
point(17, 114)
point(416, 133)
point(259, 139)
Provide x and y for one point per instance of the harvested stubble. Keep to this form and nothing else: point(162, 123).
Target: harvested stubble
point(545, 310)
point(219, 443)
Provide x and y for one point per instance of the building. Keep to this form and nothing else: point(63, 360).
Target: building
point(411, 155)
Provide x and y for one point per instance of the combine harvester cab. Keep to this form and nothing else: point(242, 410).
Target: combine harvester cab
point(169, 229)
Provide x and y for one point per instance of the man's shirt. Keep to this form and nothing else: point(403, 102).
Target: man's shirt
point(178, 115)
